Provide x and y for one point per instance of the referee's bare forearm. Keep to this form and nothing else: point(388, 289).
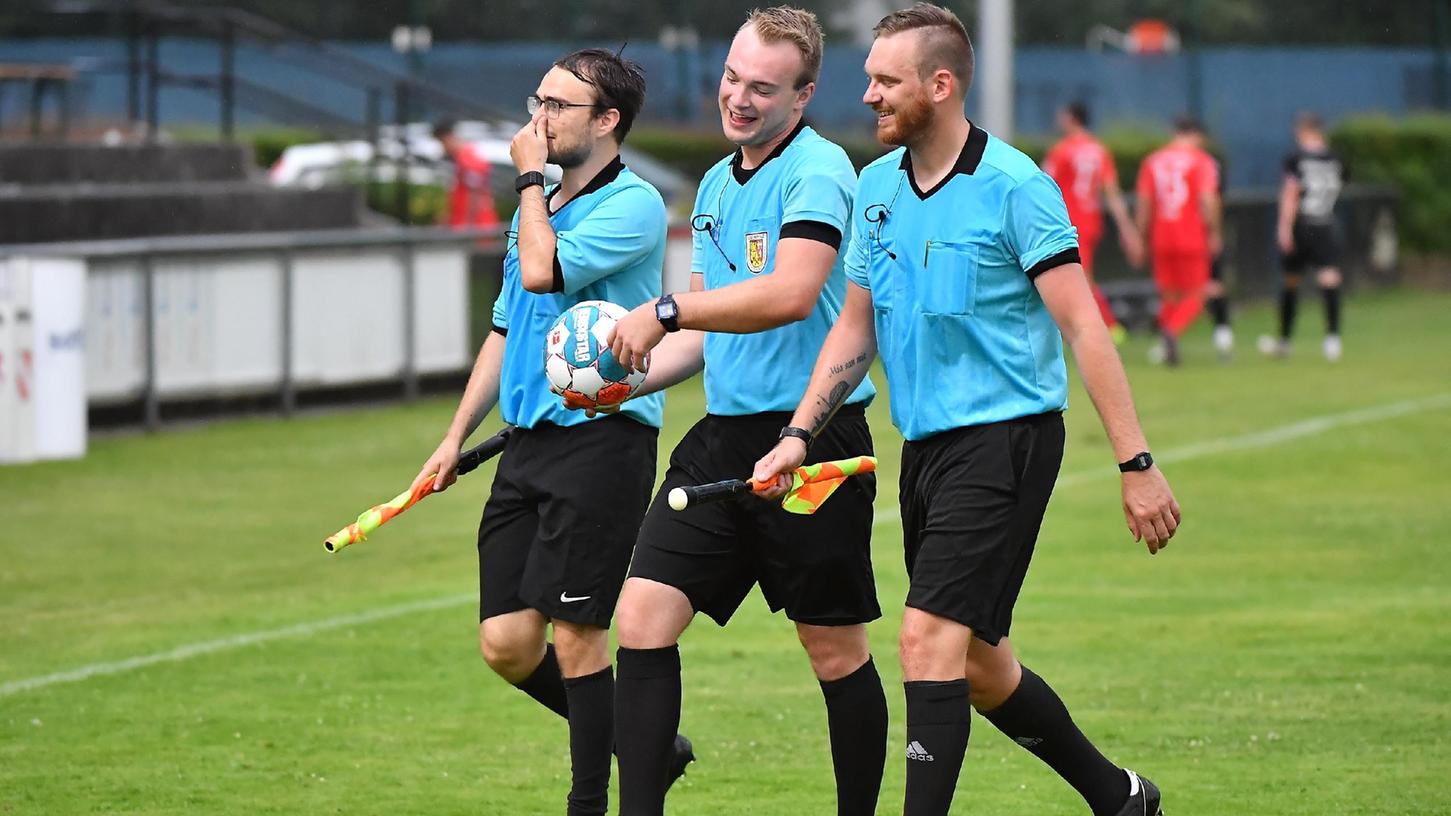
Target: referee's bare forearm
point(482, 392)
point(842, 364)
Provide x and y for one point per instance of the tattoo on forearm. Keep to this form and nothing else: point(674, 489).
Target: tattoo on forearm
point(842, 368)
point(829, 404)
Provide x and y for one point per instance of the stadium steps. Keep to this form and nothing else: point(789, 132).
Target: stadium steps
point(80, 192)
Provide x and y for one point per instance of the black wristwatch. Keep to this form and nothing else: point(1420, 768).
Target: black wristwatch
point(800, 433)
point(527, 180)
point(668, 313)
point(1140, 461)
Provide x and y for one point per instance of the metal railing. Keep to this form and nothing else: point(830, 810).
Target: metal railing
point(285, 247)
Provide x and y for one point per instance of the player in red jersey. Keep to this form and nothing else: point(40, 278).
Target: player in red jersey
point(1179, 209)
point(1085, 172)
point(471, 201)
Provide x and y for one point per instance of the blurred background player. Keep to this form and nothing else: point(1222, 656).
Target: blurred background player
point(1085, 172)
point(1217, 296)
point(977, 471)
point(1314, 176)
point(1179, 211)
point(559, 526)
point(471, 201)
point(767, 285)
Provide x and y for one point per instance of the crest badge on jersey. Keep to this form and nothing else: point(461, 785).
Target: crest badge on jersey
point(756, 251)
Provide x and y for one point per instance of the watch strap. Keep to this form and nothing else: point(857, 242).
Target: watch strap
point(800, 433)
point(527, 180)
point(668, 312)
point(1140, 461)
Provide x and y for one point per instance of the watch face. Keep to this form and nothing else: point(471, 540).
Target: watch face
point(665, 311)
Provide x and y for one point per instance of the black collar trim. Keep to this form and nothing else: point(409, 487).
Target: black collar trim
point(610, 172)
point(743, 175)
point(967, 161)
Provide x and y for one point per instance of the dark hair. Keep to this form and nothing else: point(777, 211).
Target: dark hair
point(1077, 110)
point(619, 83)
point(1188, 124)
point(443, 127)
point(945, 43)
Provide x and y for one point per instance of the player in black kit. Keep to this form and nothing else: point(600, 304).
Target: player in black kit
point(1313, 178)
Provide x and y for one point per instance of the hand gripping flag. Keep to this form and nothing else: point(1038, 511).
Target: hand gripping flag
point(378, 515)
point(810, 486)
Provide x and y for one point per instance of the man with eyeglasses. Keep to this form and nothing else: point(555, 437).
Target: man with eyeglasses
point(766, 286)
point(965, 276)
point(570, 490)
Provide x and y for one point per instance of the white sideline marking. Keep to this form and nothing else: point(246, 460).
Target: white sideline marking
point(235, 641)
point(1258, 439)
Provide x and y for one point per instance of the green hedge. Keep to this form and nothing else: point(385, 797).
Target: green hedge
point(1414, 156)
point(694, 152)
point(268, 143)
point(428, 204)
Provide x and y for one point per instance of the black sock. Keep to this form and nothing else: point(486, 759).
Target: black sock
point(1287, 313)
point(1332, 309)
point(647, 715)
point(546, 684)
point(1219, 310)
point(591, 738)
point(856, 715)
point(1036, 719)
point(938, 723)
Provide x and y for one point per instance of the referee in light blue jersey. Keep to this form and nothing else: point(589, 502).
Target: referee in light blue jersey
point(964, 269)
point(559, 525)
point(767, 284)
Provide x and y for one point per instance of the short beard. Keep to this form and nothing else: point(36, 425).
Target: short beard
point(912, 119)
point(571, 158)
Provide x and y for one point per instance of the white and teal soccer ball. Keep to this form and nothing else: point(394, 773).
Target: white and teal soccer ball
point(578, 361)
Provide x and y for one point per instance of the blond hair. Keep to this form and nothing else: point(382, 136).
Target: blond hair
point(945, 43)
point(796, 26)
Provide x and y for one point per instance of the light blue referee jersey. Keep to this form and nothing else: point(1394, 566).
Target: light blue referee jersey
point(961, 329)
point(804, 190)
point(610, 246)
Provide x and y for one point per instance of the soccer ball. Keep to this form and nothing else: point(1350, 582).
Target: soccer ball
point(578, 361)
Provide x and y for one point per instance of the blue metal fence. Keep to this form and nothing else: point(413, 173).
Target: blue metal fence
point(1250, 94)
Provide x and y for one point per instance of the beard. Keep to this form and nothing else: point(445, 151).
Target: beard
point(910, 120)
point(568, 156)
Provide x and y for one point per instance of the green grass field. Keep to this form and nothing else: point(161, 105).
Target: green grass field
point(1289, 654)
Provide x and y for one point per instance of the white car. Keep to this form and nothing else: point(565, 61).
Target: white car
point(326, 163)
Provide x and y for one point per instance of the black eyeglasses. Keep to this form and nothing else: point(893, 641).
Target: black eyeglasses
point(552, 107)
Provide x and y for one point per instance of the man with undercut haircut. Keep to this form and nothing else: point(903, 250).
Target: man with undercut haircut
point(558, 528)
point(766, 287)
point(964, 268)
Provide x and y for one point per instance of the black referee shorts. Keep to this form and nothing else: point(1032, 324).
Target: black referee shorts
point(972, 502)
point(1316, 247)
point(561, 519)
point(817, 567)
